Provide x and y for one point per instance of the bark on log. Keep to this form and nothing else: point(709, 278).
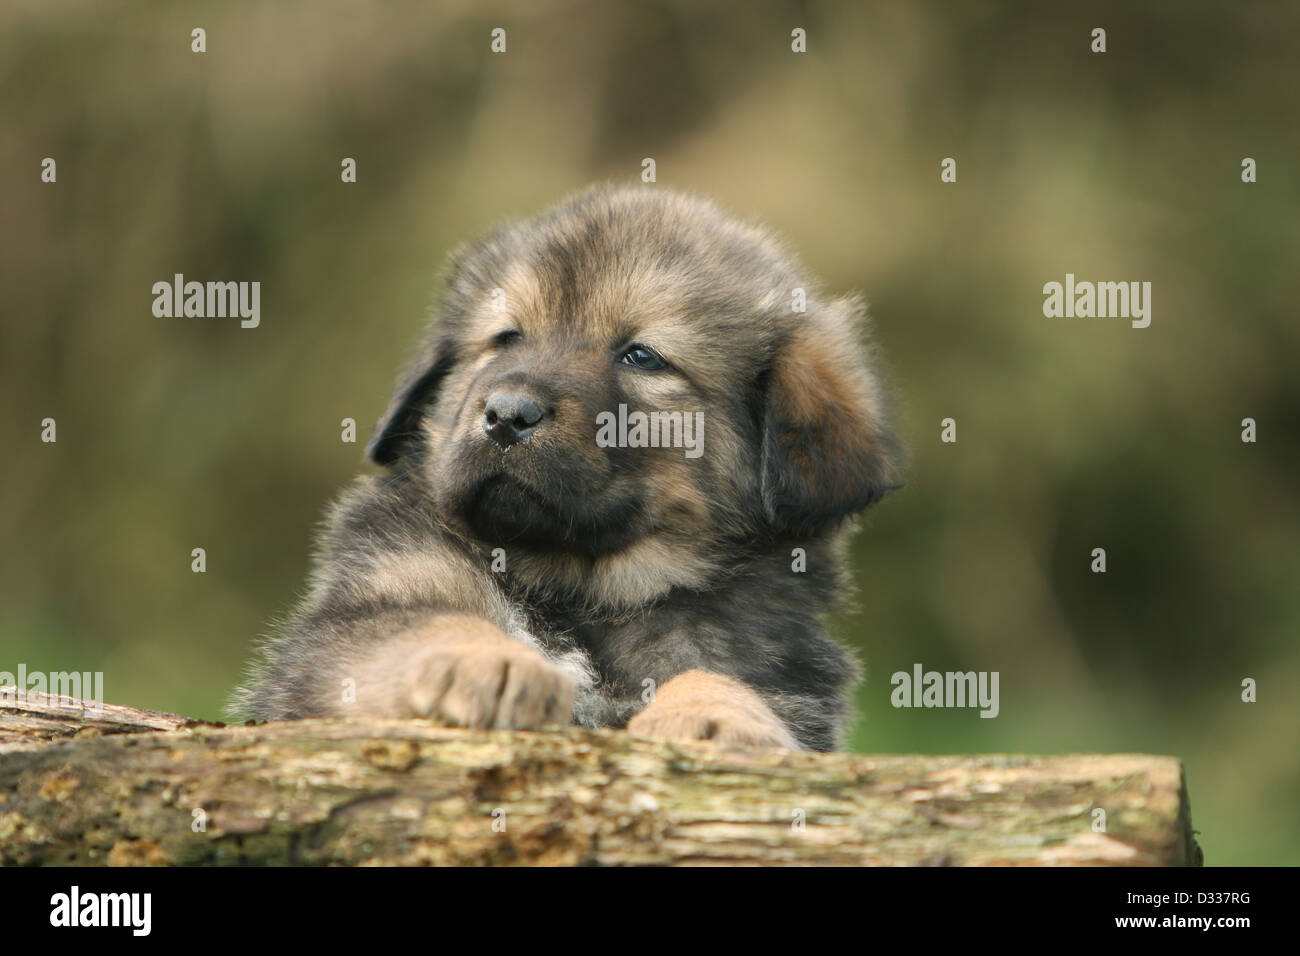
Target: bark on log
point(132, 787)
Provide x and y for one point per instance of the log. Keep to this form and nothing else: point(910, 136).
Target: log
point(128, 787)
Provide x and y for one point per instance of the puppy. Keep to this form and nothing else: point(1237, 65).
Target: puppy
point(618, 478)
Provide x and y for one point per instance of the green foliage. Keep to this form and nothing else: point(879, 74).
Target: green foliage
point(1073, 433)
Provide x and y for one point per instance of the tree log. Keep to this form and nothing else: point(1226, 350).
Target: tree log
point(139, 787)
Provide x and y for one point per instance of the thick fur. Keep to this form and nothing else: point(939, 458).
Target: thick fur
point(640, 587)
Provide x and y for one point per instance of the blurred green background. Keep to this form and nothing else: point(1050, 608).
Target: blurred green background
point(1072, 433)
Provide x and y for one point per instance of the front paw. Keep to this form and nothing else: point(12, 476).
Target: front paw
point(702, 706)
point(464, 672)
point(489, 683)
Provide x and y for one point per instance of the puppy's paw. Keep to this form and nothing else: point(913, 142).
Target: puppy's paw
point(698, 705)
point(703, 723)
point(466, 673)
point(489, 683)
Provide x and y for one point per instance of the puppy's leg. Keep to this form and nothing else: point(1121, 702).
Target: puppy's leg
point(701, 705)
point(460, 670)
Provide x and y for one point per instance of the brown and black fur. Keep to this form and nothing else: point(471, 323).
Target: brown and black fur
point(631, 574)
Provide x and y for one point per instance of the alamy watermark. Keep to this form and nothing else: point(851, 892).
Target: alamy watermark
point(209, 300)
point(75, 908)
point(922, 688)
point(651, 430)
point(1085, 300)
point(39, 687)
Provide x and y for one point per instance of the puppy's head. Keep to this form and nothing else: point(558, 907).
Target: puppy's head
point(623, 306)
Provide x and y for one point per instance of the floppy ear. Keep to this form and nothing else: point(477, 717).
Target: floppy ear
point(827, 448)
point(398, 429)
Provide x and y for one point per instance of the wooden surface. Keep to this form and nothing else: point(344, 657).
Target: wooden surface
point(123, 787)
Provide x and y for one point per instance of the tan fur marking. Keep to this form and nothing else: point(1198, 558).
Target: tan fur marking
point(463, 671)
point(700, 705)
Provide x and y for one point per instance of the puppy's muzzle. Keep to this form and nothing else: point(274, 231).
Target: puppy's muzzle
point(510, 417)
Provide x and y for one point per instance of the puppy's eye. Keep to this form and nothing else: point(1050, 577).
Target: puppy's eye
point(508, 337)
point(638, 356)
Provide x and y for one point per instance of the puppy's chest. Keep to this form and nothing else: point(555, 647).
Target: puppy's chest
point(564, 633)
point(626, 655)
point(601, 698)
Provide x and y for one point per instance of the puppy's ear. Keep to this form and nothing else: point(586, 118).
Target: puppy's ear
point(398, 430)
point(828, 450)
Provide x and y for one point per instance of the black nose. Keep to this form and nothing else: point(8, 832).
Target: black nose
point(509, 417)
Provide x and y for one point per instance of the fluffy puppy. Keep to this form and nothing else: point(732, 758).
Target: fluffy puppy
point(618, 475)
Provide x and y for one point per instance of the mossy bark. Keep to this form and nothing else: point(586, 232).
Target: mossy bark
point(139, 787)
